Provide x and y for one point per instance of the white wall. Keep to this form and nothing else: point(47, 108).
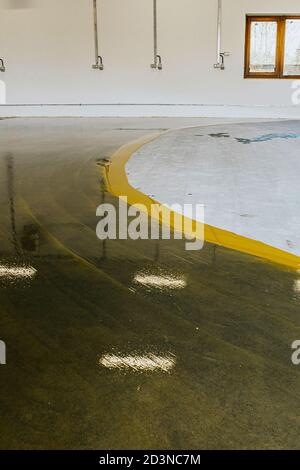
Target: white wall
point(48, 51)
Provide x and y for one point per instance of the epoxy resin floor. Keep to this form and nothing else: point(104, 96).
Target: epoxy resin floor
point(224, 320)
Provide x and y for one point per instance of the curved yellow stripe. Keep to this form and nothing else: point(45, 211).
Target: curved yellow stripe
point(117, 183)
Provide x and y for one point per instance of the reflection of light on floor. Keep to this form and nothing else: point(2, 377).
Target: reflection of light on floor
point(160, 281)
point(297, 286)
point(150, 362)
point(16, 272)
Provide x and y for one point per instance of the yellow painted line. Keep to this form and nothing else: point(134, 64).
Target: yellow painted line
point(118, 185)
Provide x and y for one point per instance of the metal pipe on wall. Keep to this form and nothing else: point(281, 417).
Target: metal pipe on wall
point(220, 64)
point(219, 31)
point(157, 64)
point(98, 58)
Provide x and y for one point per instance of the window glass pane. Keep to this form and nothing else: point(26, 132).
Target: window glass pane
point(292, 48)
point(263, 45)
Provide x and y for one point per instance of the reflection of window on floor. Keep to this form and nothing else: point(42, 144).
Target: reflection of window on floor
point(272, 47)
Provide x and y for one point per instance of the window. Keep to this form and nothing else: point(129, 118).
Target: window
point(272, 47)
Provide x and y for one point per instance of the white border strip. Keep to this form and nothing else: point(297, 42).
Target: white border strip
point(149, 110)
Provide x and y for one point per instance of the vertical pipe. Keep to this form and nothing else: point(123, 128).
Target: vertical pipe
point(98, 59)
point(155, 29)
point(157, 64)
point(219, 33)
point(96, 31)
point(220, 64)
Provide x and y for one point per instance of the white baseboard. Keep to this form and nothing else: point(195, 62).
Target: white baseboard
point(149, 110)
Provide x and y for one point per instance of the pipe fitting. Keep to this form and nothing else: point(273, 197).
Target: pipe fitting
point(99, 64)
point(157, 63)
point(2, 66)
point(221, 64)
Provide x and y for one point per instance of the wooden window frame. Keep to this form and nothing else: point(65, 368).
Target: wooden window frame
point(279, 69)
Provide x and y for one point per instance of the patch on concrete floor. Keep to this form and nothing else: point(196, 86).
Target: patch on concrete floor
point(267, 138)
point(220, 135)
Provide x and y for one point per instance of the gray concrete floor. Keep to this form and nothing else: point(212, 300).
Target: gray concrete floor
point(246, 175)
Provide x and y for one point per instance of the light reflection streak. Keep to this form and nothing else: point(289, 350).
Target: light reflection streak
point(17, 272)
point(297, 286)
point(160, 281)
point(149, 362)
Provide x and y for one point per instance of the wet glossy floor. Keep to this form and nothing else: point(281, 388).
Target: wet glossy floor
point(70, 305)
